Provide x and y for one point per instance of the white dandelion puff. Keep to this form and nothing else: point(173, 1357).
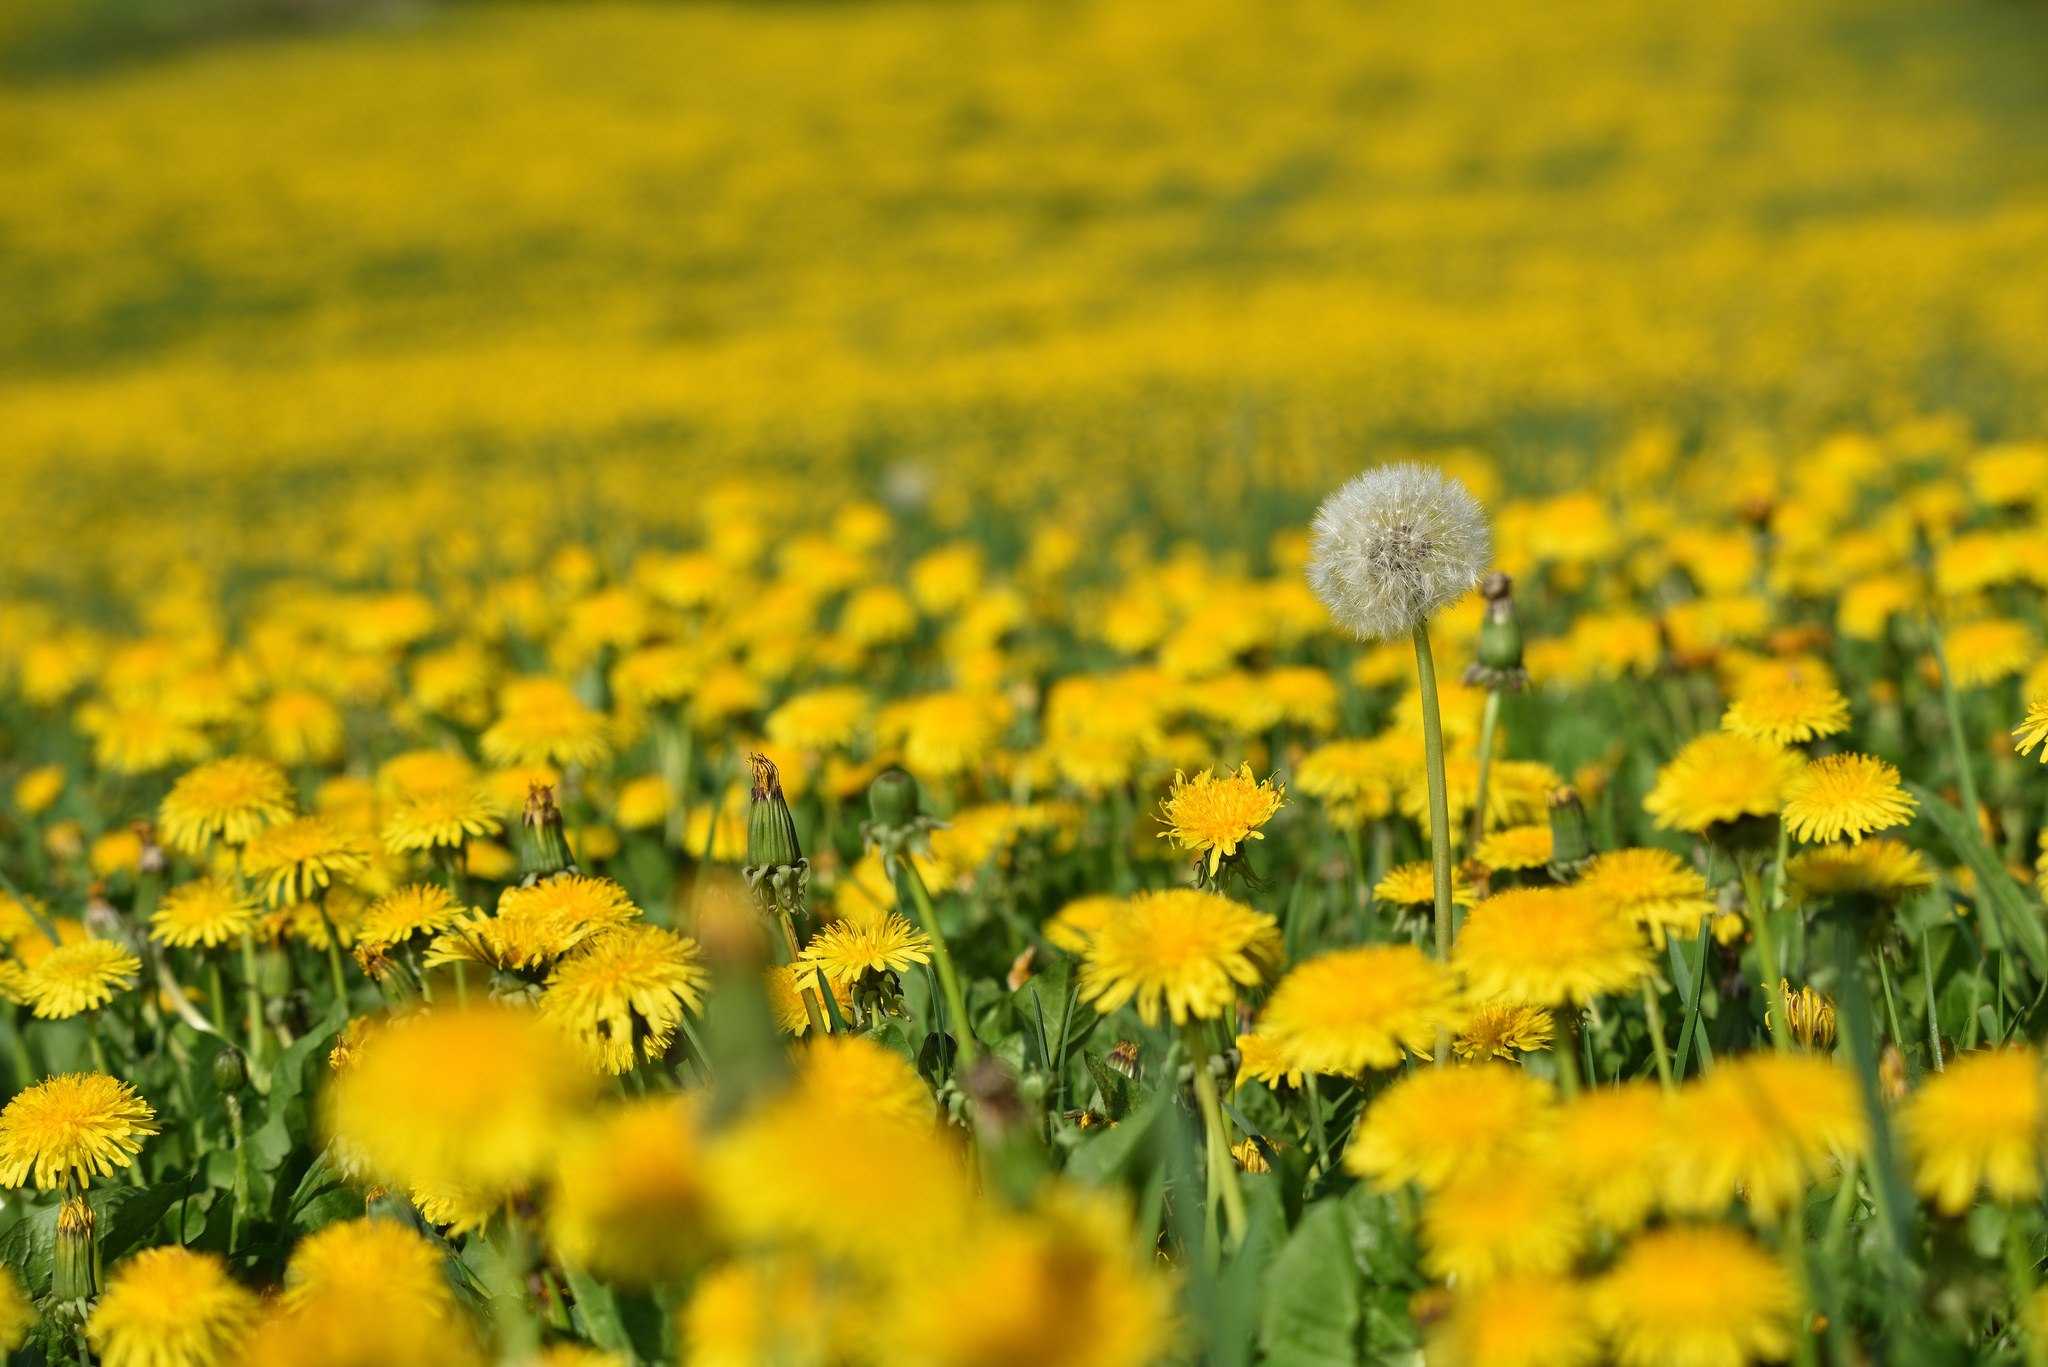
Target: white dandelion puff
point(1395, 546)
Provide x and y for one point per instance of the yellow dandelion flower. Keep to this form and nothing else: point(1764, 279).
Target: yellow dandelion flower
point(171, 1307)
point(36, 791)
point(642, 802)
point(300, 726)
point(415, 772)
point(1548, 946)
point(139, 738)
point(73, 1126)
point(371, 1258)
point(440, 818)
point(1977, 1125)
point(1720, 778)
point(78, 977)
point(456, 1210)
point(1076, 923)
point(1607, 1150)
point(228, 800)
point(1358, 781)
point(785, 985)
point(632, 983)
point(759, 1311)
point(203, 913)
point(1788, 713)
point(829, 718)
point(1348, 1010)
point(535, 925)
point(849, 948)
point(415, 909)
point(1214, 816)
point(453, 1097)
point(854, 1076)
point(628, 1201)
point(1983, 653)
point(1809, 1014)
point(943, 735)
point(1186, 950)
point(1414, 885)
point(1249, 1157)
point(1884, 868)
point(1654, 888)
point(1688, 1296)
point(1508, 1218)
point(1517, 1322)
point(1056, 1286)
point(1515, 847)
point(17, 1313)
point(1500, 1030)
point(1764, 1125)
point(1436, 1124)
point(1845, 797)
point(299, 859)
point(2031, 732)
point(542, 721)
point(1261, 1058)
point(379, 1297)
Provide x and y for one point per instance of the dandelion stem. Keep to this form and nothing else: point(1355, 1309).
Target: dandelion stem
point(1843, 1208)
point(252, 992)
point(1891, 1006)
point(1567, 1051)
point(1439, 802)
point(2021, 1280)
point(1767, 952)
point(1933, 1012)
point(1803, 1351)
point(1315, 1116)
point(1222, 1167)
point(334, 968)
point(812, 1007)
point(942, 958)
point(1489, 720)
point(1653, 1013)
point(1952, 703)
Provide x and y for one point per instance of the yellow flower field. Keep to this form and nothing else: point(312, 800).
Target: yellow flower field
point(1079, 684)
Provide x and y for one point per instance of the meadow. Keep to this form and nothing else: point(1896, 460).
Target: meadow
point(706, 684)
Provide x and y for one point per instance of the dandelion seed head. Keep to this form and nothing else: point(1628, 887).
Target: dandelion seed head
point(1394, 546)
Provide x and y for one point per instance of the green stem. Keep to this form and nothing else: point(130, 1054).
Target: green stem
point(1488, 721)
point(238, 1222)
point(1653, 1013)
point(1952, 704)
point(1767, 951)
point(1843, 1208)
point(1439, 802)
point(2020, 1279)
point(1933, 1012)
point(1804, 1352)
point(1361, 891)
point(334, 969)
point(1315, 1116)
point(942, 958)
point(1222, 1167)
point(252, 991)
point(1567, 1051)
point(217, 994)
point(1891, 1006)
point(813, 1008)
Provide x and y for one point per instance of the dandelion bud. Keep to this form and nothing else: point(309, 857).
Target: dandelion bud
point(1393, 547)
point(1499, 658)
point(771, 830)
point(893, 799)
point(75, 1272)
point(543, 853)
point(230, 1071)
point(1571, 835)
point(1810, 1015)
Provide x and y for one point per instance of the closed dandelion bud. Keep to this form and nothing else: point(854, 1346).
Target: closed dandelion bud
point(1498, 662)
point(776, 871)
point(75, 1271)
point(893, 799)
point(1571, 835)
point(543, 853)
point(230, 1071)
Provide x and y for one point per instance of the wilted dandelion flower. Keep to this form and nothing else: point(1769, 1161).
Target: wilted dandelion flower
point(1056, 1286)
point(1517, 1322)
point(632, 983)
point(1607, 1148)
point(171, 1307)
point(440, 818)
point(228, 800)
point(1883, 868)
point(465, 1096)
point(203, 913)
point(1548, 946)
point(1788, 713)
point(415, 909)
point(1437, 1123)
point(1500, 1030)
point(1720, 778)
point(1654, 888)
point(300, 859)
point(1978, 1124)
point(1349, 1010)
point(1215, 815)
point(628, 1201)
point(1695, 1296)
point(541, 721)
point(74, 1126)
point(78, 977)
point(1845, 797)
point(1393, 547)
point(1186, 950)
point(1764, 1125)
point(1413, 885)
point(1499, 1220)
point(849, 948)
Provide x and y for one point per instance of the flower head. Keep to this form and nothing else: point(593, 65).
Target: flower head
point(1845, 797)
point(1517, 1322)
point(2031, 732)
point(75, 1125)
point(854, 946)
point(299, 859)
point(1789, 713)
point(1501, 1030)
point(229, 800)
point(1435, 1124)
point(1702, 1296)
point(1414, 885)
point(415, 909)
point(1654, 888)
point(74, 978)
point(441, 818)
point(535, 925)
point(1353, 1009)
point(1978, 1124)
point(1186, 950)
point(172, 1307)
point(1720, 778)
point(628, 984)
point(629, 1199)
point(1214, 815)
point(1394, 546)
point(542, 721)
point(1608, 1149)
point(203, 913)
point(1549, 946)
point(1882, 868)
point(1503, 1219)
point(1761, 1124)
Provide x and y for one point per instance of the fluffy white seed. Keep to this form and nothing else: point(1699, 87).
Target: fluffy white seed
point(1394, 546)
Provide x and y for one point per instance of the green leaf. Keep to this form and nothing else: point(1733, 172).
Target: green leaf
point(2006, 910)
point(1114, 1086)
point(288, 1076)
point(598, 1308)
point(1309, 1316)
point(127, 1216)
point(1116, 1150)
